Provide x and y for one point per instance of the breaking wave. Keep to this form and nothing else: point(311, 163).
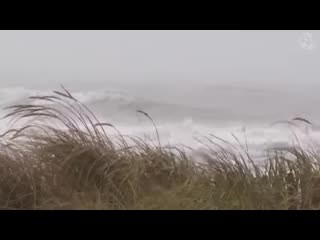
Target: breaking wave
point(177, 124)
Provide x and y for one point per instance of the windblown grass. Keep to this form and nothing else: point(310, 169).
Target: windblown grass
point(61, 157)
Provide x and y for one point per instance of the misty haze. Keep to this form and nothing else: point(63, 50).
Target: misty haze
point(191, 83)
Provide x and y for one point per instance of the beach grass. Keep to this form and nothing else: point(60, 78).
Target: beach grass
point(62, 157)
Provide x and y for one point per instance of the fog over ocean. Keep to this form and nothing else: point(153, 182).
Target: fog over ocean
point(192, 83)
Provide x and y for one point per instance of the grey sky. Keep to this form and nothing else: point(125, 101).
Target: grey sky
point(100, 56)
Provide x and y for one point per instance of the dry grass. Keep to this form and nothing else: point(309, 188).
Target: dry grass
point(63, 158)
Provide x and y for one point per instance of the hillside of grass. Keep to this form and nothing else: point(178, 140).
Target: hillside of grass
point(62, 157)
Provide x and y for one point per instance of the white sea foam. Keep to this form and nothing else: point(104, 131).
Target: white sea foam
point(186, 131)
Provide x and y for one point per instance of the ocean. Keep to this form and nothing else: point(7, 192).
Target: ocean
point(185, 115)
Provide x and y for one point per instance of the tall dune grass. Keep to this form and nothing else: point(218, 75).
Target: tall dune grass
point(62, 157)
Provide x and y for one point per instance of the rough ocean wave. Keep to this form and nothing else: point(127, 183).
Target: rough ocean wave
point(177, 124)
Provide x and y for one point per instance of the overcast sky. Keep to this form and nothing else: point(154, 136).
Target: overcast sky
point(211, 56)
